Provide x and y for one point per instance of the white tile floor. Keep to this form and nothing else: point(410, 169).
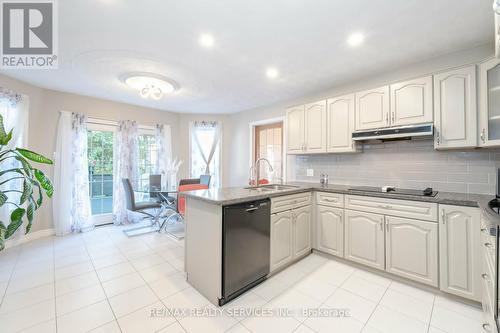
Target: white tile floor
point(105, 282)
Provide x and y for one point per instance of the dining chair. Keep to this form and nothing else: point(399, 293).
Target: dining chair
point(143, 208)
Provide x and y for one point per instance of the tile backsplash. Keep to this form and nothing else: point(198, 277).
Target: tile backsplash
point(407, 164)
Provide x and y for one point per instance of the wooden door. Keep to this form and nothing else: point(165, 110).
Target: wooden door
point(269, 144)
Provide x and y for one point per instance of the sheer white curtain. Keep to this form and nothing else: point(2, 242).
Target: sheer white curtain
point(71, 201)
point(163, 139)
point(124, 166)
point(14, 110)
point(205, 150)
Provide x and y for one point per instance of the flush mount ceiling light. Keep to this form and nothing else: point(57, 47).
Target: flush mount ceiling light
point(272, 73)
point(150, 85)
point(207, 40)
point(355, 39)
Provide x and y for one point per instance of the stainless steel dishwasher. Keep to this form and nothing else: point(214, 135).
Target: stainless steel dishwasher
point(245, 247)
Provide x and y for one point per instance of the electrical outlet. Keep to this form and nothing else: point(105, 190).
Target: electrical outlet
point(310, 172)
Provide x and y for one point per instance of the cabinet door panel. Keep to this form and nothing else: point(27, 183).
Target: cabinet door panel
point(330, 230)
point(281, 239)
point(364, 238)
point(412, 249)
point(372, 108)
point(411, 102)
point(489, 103)
point(459, 251)
point(340, 117)
point(295, 127)
point(315, 127)
point(302, 231)
point(455, 110)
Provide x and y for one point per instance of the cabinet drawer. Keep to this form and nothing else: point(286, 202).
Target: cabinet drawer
point(404, 208)
point(330, 199)
point(287, 202)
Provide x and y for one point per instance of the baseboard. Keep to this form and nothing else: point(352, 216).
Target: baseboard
point(30, 237)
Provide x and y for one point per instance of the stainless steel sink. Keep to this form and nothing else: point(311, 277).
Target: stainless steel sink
point(271, 187)
point(277, 187)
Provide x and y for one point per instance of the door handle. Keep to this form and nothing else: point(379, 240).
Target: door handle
point(392, 117)
point(443, 216)
point(485, 277)
point(486, 327)
point(387, 118)
point(483, 135)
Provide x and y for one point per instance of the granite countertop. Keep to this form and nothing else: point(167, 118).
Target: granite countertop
point(233, 195)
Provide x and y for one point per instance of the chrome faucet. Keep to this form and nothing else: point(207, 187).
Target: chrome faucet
point(257, 167)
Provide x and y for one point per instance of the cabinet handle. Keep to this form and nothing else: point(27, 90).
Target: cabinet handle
point(483, 135)
point(488, 245)
point(392, 117)
point(486, 327)
point(485, 276)
point(483, 229)
point(443, 216)
point(387, 118)
point(387, 224)
point(437, 137)
point(381, 226)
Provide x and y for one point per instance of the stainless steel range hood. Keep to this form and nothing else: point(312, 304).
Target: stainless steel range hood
point(394, 132)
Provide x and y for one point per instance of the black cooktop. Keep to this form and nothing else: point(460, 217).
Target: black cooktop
point(396, 190)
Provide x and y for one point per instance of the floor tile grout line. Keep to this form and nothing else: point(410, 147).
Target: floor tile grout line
point(10, 277)
point(107, 299)
point(55, 302)
point(432, 312)
point(376, 306)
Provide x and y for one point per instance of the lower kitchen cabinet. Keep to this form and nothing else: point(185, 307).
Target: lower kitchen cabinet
point(364, 238)
point(412, 249)
point(281, 239)
point(301, 231)
point(330, 230)
point(459, 251)
point(290, 236)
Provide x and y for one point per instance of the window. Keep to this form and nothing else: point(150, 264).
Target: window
point(147, 155)
point(205, 149)
point(100, 158)
point(269, 145)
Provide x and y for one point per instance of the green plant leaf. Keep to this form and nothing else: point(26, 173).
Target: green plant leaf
point(3, 198)
point(27, 190)
point(30, 211)
point(28, 170)
point(16, 219)
point(39, 201)
point(3, 230)
point(44, 182)
point(2, 127)
point(35, 157)
point(4, 139)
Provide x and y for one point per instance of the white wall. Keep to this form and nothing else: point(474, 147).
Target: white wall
point(239, 153)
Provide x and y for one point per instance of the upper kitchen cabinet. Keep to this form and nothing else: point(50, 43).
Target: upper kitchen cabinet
point(411, 102)
point(455, 109)
point(489, 103)
point(372, 108)
point(295, 124)
point(315, 127)
point(340, 118)
point(306, 128)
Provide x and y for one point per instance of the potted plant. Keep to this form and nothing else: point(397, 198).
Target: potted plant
point(34, 184)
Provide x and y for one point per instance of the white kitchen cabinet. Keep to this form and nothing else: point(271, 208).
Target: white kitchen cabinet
point(315, 127)
point(459, 251)
point(301, 231)
point(489, 103)
point(411, 102)
point(412, 249)
point(340, 118)
point(295, 127)
point(330, 230)
point(281, 239)
point(372, 108)
point(364, 238)
point(455, 109)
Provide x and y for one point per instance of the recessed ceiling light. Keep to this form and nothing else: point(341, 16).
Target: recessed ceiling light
point(272, 73)
point(355, 39)
point(207, 40)
point(150, 85)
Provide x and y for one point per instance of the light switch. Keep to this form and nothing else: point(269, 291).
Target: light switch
point(310, 172)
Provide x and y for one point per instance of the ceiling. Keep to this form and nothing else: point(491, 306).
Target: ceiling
point(100, 40)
